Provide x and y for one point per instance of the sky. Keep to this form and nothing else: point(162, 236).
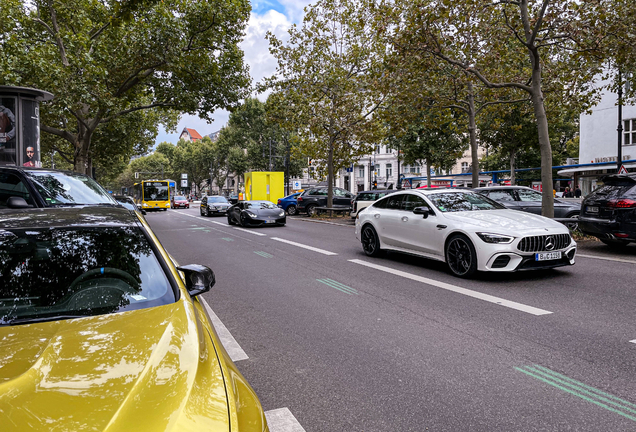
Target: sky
point(267, 15)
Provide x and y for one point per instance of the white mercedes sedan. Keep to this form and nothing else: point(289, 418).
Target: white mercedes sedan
point(466, 230)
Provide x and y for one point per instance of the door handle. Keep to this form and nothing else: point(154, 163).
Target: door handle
point(405, 218)
point(441, 227)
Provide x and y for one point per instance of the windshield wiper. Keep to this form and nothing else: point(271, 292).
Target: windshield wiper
point(41, 319)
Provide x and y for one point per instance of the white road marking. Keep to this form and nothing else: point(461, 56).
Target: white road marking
point(311, 248)
point(249, 231)
point(282, 420)
point(219, 223)
point(606, 258)
point(232, 347)
point(633, 341)
point(492, 299)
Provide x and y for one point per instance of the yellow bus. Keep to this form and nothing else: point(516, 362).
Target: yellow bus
point(152, 194)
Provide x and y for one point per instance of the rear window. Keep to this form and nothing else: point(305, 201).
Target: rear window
point(48, 274)
point(615, 189)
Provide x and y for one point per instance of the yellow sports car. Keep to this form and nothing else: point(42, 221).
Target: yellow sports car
point(100, 331)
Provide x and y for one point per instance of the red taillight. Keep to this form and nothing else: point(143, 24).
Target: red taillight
point(622, 203)
point(299, 199)
point(621, 235)
point(279, 202)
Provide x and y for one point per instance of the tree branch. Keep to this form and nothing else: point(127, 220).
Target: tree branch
point(61, 133)
point(139, 108)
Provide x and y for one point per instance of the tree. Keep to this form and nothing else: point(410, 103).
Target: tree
point(329, 74)
point(547, 48)
point(108, 60)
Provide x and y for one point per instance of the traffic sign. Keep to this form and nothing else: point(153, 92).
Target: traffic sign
point(297, 185)
point(622, 170)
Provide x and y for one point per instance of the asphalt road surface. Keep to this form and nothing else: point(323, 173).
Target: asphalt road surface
point(332, 340)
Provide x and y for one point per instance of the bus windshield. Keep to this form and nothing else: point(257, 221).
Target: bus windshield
point(156, 191)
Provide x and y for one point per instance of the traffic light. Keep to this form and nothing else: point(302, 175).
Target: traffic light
point(375, 184)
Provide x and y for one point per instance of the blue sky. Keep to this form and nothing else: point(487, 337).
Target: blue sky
point(267, 15)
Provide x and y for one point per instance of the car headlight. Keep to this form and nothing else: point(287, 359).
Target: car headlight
point(281, 213)
point(252, 215)
point(495, 238)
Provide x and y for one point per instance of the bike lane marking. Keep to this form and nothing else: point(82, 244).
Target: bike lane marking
point(475, 294)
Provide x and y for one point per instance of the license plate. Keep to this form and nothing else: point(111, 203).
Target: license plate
point(591, 209)
point(547, 256)
point(272, 221)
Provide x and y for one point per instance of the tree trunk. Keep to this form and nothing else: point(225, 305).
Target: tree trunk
point(330, 174)
point(428, 174)
point(513, 155)
point(547, 201)
point(472, 132)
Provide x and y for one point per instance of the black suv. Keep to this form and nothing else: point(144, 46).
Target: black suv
point(40, 187)
point(317, 197)
point(609, 212)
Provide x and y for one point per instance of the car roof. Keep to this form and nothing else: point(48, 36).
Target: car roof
point(34, 169)
point(502, 187)
point(440, 190)
point(381, 190)
point(75, 216)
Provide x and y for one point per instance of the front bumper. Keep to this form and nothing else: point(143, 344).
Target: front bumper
point(215, 210)
point(270, 220)
point(511, 261)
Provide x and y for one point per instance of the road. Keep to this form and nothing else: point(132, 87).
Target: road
point(349, 343)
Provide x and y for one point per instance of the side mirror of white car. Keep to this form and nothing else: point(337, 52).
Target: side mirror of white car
point(424, 211)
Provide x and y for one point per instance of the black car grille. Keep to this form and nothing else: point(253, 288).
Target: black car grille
point(542, 242)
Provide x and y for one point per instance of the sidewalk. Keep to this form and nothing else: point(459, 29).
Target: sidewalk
point(347, 221)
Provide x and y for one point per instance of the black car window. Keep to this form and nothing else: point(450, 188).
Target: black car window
point(613, 190)
point(217, 199)
point(12, 186)
point(528, 195)
point(319, 192)
point(367, 197)
point(394, 202)
point(59, 188)
point(500, 195)
point(413, 201)
point(380, 203)
point(53, 272)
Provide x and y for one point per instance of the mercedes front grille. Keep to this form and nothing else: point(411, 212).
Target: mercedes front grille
point(544, 243)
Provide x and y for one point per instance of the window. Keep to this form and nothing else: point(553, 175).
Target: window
point(528, 195)
point(464, 167)
point(389, 170)
point(394, 202)
point(503, 195)
point(415, 169)
point(413, 201)
point(361, 171)
point(629, 132)
point(12, 186)
point(460, 201)
point(377, 149)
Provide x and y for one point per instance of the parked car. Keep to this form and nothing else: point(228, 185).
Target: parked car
point(256, 213)
point(528, 200)
point(233, 199)
point(214, 205)
point(317, 197)
point(129, 203)
point(464, 229)
point(609, 212)
point(365, 198)
point(179, 201)
point(93, 309)
point(289, 203)
point(22, 187)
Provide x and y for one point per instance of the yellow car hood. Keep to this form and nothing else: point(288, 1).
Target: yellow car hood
point(152, 369)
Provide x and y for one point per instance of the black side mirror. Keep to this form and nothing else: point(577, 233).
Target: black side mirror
point(424, 211)
point(198, 278)
point(143, 212)
point(17, 202)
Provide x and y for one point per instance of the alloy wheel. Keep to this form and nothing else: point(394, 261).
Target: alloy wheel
point(460, 257)
point(291, 210)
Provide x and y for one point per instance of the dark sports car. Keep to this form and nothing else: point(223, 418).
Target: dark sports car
point(256, 213)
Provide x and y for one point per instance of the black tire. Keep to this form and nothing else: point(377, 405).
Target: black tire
point(207, 212)
point(370, 241)
point(230, 221)
point(310, 209)
point(243, 220)
point(616, 244)
point(292, 210)
point(461, 257)
point(201, 211)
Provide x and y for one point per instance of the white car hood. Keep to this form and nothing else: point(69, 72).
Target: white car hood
point(512, 221)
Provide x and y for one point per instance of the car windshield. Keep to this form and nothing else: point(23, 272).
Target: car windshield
point(260, 204)
point(68, 189)
point(180, 198)
point(52, 273)
point(217, 199)
point(462, 201)
point(156, 191)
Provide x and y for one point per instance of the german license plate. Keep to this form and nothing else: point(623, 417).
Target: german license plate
point(547, 256)
point(271, 221)
point(591, 209)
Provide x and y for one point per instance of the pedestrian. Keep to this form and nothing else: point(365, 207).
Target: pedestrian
point(577, 192)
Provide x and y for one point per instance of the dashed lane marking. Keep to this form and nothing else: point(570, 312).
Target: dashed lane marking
point(282, 420)
point(263, 254)
point(249, 231)
point(492, 299)
point(232, 347)
point(606, 258)
point(300, 245)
